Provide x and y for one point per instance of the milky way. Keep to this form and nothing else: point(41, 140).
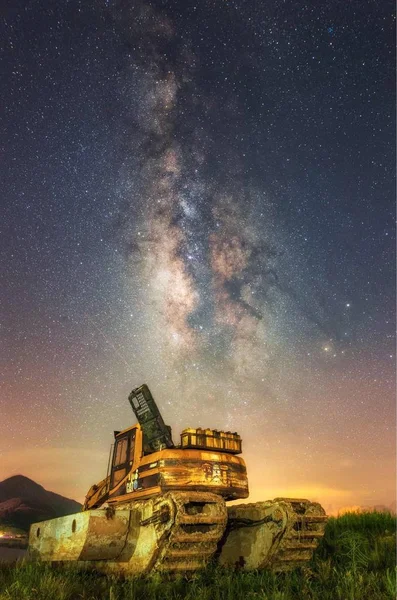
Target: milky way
point(211, 271)
point(201, 197)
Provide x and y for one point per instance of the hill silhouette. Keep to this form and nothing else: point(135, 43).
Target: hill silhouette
point(23, 502)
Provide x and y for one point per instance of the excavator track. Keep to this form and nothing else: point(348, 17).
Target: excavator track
point(280, 534)
point(178, 531)
point(181, 532)
point(302, 536)
point(200, 521)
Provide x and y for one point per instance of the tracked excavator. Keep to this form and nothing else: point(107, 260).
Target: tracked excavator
point(162, 507)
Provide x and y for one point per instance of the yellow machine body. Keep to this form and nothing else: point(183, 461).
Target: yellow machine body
point(134, 476)
point(162, 507)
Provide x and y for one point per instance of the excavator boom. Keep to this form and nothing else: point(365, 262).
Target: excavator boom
point(156, 434)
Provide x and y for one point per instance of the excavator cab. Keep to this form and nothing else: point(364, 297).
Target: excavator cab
point(144, 461)
point(124, 454)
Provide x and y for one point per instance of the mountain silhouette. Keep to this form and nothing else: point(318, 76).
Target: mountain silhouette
point(23, 502)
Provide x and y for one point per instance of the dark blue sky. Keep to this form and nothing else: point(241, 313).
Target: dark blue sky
point(200, 195)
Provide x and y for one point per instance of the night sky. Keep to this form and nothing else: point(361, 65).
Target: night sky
point(200, 196)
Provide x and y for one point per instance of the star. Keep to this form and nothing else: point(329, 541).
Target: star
point(201, 203)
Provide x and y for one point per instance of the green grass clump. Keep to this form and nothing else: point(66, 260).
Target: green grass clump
point(355, 561)
point(361, 541)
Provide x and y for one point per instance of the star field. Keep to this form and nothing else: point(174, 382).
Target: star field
point(200, 196)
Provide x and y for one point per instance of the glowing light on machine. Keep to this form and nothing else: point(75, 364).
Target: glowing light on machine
point(211, 439)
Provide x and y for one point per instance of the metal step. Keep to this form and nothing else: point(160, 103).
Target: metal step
point(200, 519)
point(196, 537)
point(295, 554)
point(183, 566)
point(177, 553)
point(308, 534)
point(312, 519)
point(292, 545)
point(289, 561)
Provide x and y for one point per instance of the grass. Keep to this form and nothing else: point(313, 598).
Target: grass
point(355, 561)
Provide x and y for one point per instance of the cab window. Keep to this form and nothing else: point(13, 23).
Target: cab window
point(121, 452)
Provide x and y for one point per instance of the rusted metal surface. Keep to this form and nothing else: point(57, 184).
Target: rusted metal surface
point(225, 441)
point(280, 534)
point(145, 462)
point(181, 531)
point(97, 494)
point(89, 535)
point(167, 508)
point(179, 470)
point(173, 469)
point(176, 532)
point(216, 472)
point(199, 525)
point(156, 434)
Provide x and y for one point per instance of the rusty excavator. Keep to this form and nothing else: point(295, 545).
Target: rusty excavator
point(161, 507)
